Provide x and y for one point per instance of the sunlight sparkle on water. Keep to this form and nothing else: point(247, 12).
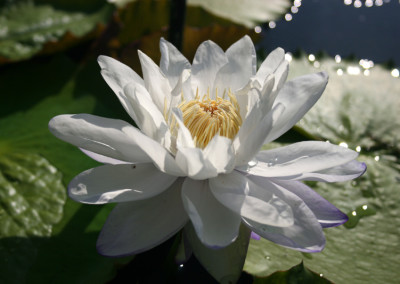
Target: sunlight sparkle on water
point(353, 70)
point(288, 56)
point(288, 17)
point(272, 25)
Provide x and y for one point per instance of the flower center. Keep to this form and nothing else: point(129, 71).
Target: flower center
point(206, 117)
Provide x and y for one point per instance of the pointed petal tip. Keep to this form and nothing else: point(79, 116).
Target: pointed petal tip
point(364, 168)
point(343, 218)
point(324, 75)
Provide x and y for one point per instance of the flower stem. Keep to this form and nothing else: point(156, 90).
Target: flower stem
point(177, 22)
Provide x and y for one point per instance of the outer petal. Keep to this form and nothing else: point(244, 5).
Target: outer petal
point(97, 134)
point(149, 118)
point(112, 138)
point(305, 234)
point(209, 58)
point(299, 158)
point(270, 64)
point(119, 183)
point(250, 200)
point(215, 225)
point(252, 134)
point(241, 66)
point(117, 75)
point(344, 172)
point(327, 214)
point(172, 62)
point(225, 264)
point(134, 227)
point(297, 96)
point(102, 159)
point(156, 83)
point(121, 73)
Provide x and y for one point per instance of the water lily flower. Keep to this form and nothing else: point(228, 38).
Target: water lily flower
point(194, 161)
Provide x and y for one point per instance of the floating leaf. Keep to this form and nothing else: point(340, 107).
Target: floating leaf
point(296, 274)
point(367, 249)
point(27, 29)
point(31, 202)
point(71, 245)
point(245, 12)
point(32, 196)
point(360, 110)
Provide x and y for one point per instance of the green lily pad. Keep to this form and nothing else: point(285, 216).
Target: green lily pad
point(367, 248)
point(32, 195)
point(31, 203)
point(366, 252)
point(248, 13)
point(296, 274)
point(67, 253)
point(245, 12)
point(359, 106)
point(27, 28)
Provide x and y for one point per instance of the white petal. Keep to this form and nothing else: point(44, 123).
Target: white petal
point(252, 134)
point(344, 172)
point(119, 183)
point(297, 96)
point(97, 134)
point(172, 62)
point(209, 58)
point(220, 153)
point(134, 227)
point(215, 225)
point(156, 83)
point(192, 162)
point(305, 234)
point(250, 200)
point(122, 74)
point(270, 64)
point(281, 74)
point(112, 138)
point(241, 66)
point(102, 159)
point(225, 264)
point(149, 118)
point(183, 89)
point(327, 214)
point(117, 75)
point(299, 158)
point(184, 138)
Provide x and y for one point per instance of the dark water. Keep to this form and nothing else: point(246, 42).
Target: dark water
point(329, 25)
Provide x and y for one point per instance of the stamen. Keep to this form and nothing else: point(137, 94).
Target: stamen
point(206, 117)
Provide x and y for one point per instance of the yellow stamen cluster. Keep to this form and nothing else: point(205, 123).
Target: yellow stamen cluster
point(207, 117)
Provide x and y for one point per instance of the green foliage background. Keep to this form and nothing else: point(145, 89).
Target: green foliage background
point(48, 66)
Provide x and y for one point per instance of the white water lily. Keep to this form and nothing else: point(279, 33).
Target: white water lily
point(195, 159)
